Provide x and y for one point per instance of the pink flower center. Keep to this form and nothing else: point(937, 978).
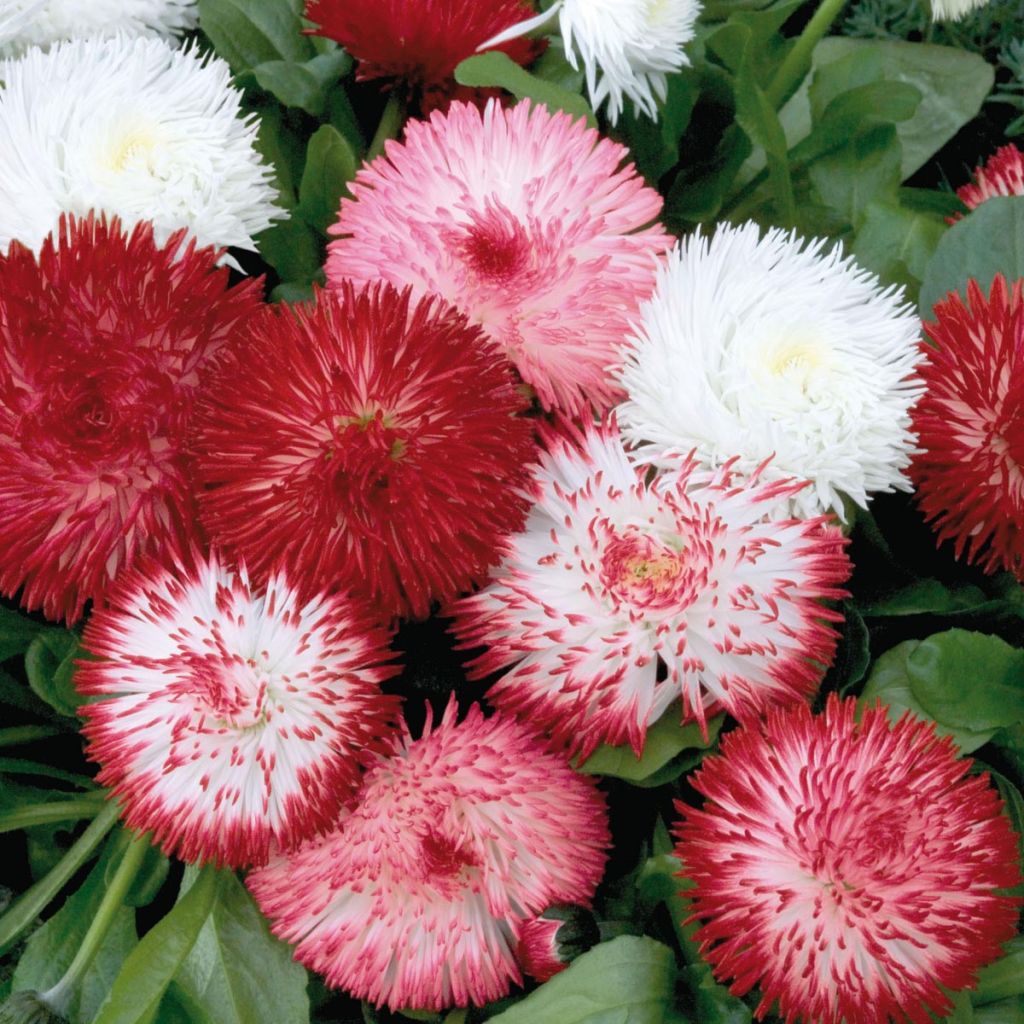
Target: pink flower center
point(496, 248)
point(235, 693)
point(639, 571)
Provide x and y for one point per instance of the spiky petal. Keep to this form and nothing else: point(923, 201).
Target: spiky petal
point(418, 896)
point(233, 719)
point(524, 220)
point(103, 341)
point(1002, 175)
point(552, 940)
point(848, 869)
point(622, 596)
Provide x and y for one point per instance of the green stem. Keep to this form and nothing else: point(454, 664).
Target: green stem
point(86, 806)
point(57, 997)
point(391, 121)
point(32, 902)
point(798, 61)
point(27, 734)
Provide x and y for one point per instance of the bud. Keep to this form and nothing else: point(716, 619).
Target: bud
point(28, 1008)
point(551, 941)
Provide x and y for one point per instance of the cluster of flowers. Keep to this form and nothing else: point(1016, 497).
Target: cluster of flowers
point(614, 461)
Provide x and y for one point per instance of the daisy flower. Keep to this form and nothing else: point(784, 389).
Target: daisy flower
point(775, 347)
point(232, 719)
point(628, 47)
point(848, 869)
point(529, 223)
point(42, 22)
point(370, 441)
point(103, 340)
point(968, 475)
point(954, 10)
point(420, 42)
point(623, 595)
point(131, 127)
point(418, 896)
point(1003, 175)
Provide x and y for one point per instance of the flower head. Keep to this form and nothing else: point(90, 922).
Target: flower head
point(417, 898)
point(848, 869)
point(372, 442)
point(622, 596)
point(954, 10)
point(420, 42)
point(1003, 175)
point(103, 340)
point(552, 940)
point(42, 22)
point(232, 718)
point(969, 474)
point(772, 347)
point(130, 127)
point(527, 223)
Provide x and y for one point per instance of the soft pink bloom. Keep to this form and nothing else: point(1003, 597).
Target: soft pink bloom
point(232, 719)
point(622, 596)
point(1003, 175)
point(416, 899)
point(847, 869)
point(528, 222)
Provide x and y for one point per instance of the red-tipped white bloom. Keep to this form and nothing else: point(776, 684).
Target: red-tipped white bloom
point(776, 347)
point(528, 223)
point(233, 718)
point(969, 475)
point(622, 596)
point(1003, 175)
point(370, 442)
point(847, 869)
point(103, 342)
point(457, 839)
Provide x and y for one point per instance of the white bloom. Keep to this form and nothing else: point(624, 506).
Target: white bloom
point(627, 46)
point(954, 10)
point(42, 22)
point(134, 128)
point(757, 347)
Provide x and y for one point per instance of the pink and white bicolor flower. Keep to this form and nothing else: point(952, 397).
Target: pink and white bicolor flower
point(231, 719)
point(621, 596)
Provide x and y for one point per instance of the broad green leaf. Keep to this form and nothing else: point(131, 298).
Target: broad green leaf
point(498, 70)
point(654, 145)
point(50, 667)
point(330, 166)
point(293, 249)
point(16, 694)
point(1004, 978)
point(16, 633)
point(665, 739)
point(697, 193)
point(303, 85)
point(237, 972)
point(989, 241)
point(626, 981)
point(853, 654)
point(925, 597)
point(247, 33)
point(1006, 1011)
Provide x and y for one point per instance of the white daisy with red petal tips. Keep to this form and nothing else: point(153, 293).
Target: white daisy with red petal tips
point(232, 719)
point(622, 596)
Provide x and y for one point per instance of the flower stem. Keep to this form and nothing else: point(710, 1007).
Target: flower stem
point(87, 805)
point(391, 122)
point(57, 997)
point(17, 734)
point(32, 902)
point(798, 61)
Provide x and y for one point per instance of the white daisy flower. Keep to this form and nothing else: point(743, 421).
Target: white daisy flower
point(627, 46)
point(954, 10)
point(42, 22)
point(775, 347)
point(134, 128)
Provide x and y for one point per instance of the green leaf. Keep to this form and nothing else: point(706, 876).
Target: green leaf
point(1004, 978)
point(989, 241)
point(247, 33)
point(303, 85)
point(330, 166)
point(853, 654)
point(626, 981)
point(1006, 1011)
point(498, 70)
point(665, 739)
point(50, 667)
point(925, 597)
point(654, 145)
point(292, 248)
point(16, 633)
point(17, 695)
point(237, 972)
point(142, 981)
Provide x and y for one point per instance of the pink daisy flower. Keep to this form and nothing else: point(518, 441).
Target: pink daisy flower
point(848, 869)
point(418, 896)
point(1003, 175)
point(232, 718)
point(530, 223)
point(622, 596)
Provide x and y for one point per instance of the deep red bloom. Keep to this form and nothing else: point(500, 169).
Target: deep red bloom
point(420, 42)
point(370, 442)
point(103, 340)
point(848, 869)
point(969, 476)
point(1003, 175)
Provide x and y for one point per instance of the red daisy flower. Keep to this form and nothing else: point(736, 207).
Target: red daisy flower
point(369, 441)
point(1003, 175)
point(969, 475)
point(420, 42)
point(849, 869)
point(103, 340)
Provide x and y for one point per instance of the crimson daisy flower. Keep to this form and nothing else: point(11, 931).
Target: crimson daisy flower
point(420, 42)
point(232, 718)
point(370, 442)
point(969, 474)
point(1003, 175)
point(103, 341)
point(847, 868)
point(457, 839)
